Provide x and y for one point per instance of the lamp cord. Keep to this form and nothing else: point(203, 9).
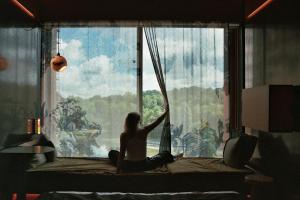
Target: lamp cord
point(58, 41)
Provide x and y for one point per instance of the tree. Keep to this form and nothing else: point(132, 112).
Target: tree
point(77, 134)
point(69, 116)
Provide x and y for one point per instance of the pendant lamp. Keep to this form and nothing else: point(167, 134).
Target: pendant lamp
point(58, 62)
point(3, 63)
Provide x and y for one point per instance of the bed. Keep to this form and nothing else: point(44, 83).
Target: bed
point(223, 195)
point(98, 175)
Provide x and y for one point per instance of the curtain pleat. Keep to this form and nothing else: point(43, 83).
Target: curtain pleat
point(165, 142)
point(192, 62)
point(19, 79)
point(85, 106)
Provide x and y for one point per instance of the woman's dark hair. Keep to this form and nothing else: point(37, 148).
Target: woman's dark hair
point(131, 121)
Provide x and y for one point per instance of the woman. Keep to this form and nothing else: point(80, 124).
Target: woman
point(133, 143)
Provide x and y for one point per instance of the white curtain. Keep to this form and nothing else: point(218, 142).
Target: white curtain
point(192, 61)
point(19, 79)
point(92, 97)
point(85, 106)
point(150, 33)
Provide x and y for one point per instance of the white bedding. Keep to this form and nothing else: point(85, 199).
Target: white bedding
point(221, 195)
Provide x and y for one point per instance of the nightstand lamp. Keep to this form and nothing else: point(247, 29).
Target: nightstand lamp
point(271, 108)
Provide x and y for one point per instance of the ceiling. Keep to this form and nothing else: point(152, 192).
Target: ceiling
point(219, 11)
point(91, 10)
point(278, 12)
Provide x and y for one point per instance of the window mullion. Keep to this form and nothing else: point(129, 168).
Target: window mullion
point(140, 70)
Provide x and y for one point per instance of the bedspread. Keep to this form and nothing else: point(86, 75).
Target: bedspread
point(98, 175)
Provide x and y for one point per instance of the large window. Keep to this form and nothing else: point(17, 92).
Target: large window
point(96, 91)
point(193, 59)
point(103, 80)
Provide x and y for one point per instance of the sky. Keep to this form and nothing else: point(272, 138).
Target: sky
point(102, 61)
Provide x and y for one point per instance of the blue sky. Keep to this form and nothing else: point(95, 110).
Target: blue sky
point(92, 39)
point(102, 61)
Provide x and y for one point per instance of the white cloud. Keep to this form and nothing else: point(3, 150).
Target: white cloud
point(101, 75)
point(204, 76)
point(93, 77)
point(174, 42)
point(72, 50)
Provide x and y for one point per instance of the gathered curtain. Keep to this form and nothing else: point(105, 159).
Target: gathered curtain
point(150, 33)
point(190, 66)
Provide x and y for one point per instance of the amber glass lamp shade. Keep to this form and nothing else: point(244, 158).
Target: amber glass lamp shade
point(3, 63)
point(58, 63)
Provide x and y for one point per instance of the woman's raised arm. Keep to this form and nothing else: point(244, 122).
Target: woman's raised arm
point(154, 124)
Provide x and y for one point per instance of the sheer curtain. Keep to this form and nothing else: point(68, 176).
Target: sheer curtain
point(192, 61)
point(84, 107)
point(19, 79)
point(92, 97)
point(150, 33)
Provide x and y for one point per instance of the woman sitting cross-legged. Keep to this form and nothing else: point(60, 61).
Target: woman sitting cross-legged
point(133, 143)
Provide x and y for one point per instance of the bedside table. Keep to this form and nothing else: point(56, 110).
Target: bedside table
point(261, 186)
point(14, 163)
point(23, 150)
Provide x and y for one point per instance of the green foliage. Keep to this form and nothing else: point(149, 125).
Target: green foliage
point(68, 113)
point(196, 118)
point(152, 105)
point(202, 142)
point(77, 134)
point(207, 145)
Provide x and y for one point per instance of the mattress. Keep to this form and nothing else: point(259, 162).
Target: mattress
point(98, 175)
point(221, 195)
point(100, 166)
point(203, 165)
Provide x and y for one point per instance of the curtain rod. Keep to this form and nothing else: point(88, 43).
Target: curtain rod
point(129, 23)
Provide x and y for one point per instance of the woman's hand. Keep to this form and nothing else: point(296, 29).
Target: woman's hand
point(167, 109)
point(147, 129)
point(166, 105)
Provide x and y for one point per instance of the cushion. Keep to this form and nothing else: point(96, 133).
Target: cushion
point(238, 151)
point(37, 159)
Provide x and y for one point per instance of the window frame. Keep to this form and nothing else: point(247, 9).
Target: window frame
point(139, 61)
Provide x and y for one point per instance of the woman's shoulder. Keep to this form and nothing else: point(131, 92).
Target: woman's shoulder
point(142, 132)
point(123, 135)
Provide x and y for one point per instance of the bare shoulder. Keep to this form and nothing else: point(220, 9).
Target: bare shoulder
point(123, 136)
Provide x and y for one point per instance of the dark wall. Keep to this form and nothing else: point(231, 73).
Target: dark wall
point(272, 56)
point(19, 79)
point(91, 10)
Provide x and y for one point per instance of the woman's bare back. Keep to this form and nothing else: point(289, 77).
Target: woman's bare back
point(137, 146)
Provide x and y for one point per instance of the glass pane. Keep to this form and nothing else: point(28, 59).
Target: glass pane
point(19, 79)
point(193, 62)
point(96, 91)
point(153, 104)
